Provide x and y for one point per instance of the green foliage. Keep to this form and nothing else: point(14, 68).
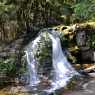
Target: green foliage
point(8, 17)
point(6, 10)
point(84, 10)
point(33, 15)
point(91, 40)
point(10, 68)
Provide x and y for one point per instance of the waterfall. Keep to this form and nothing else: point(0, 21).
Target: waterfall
point(62, 69)
point(34, 80)
point(32, 63)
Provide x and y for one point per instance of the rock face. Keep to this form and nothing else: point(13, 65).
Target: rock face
point(81, 38)
point(84, 37)
point(87, 56)
point(42, 52)
point(85, 40)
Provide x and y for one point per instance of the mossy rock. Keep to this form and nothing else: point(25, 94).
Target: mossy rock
point(43, 50)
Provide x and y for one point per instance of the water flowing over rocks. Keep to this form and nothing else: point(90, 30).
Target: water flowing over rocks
point(57, 72)
point(43, 50)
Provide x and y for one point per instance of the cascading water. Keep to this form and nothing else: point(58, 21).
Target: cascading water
point(34, 80)
point(62, 70)
point(32, 63)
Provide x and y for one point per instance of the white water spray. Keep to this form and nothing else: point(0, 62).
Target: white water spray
point(34, 80)
point(62, 69)
point(32, 63)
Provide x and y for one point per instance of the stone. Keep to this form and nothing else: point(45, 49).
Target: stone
point(92, 74)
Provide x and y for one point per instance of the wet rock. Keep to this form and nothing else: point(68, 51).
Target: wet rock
point(43, 52)
point(92, 74)
point(23, 79)
point(87, 55)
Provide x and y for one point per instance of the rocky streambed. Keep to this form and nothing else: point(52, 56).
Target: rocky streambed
point(84, 86)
